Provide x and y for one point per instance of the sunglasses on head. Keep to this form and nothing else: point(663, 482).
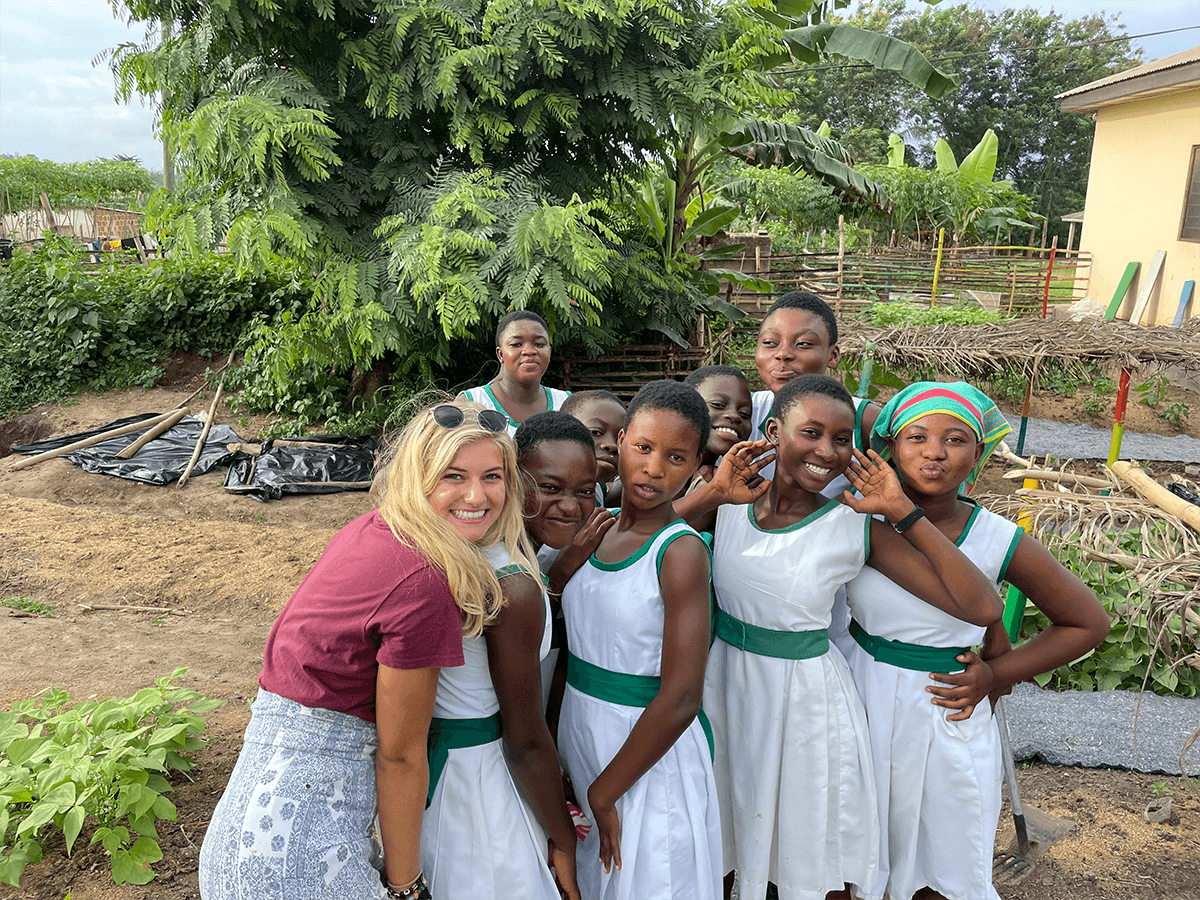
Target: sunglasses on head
point(451, 417)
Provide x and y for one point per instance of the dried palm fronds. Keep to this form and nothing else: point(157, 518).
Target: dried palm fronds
point(983, 350)
point(1124, 532)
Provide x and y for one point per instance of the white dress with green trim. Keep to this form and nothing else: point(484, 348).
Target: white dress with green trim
point(479, 838)
point(670, 831)
point(793, 765)
point(761, 402)
point(938, 781)
point(483, 395)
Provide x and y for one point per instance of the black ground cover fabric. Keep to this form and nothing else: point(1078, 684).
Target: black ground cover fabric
point(305, 470)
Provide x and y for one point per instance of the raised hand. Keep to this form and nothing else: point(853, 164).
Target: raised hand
point(736, 479)
point(576, 553)
point(870, 475)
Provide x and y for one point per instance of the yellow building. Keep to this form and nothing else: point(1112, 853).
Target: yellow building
point(1143, 191)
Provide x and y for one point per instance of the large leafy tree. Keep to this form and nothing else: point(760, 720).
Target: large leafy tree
point(1010, 64)
point(434, 162)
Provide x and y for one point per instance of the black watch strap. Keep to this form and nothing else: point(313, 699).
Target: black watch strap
point(909, 521)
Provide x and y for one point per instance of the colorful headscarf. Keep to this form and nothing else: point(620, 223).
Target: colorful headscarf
point(959, 399)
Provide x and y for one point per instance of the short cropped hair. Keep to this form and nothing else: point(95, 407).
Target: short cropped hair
point(516, 316)
point(804, 386)
point(579, 398)
point(704, 373)
point(551, 426)
point(676, 397)
point(809, 303)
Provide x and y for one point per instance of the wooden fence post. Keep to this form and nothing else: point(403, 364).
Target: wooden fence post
point(841, 259)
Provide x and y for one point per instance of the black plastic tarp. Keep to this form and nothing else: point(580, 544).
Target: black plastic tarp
point(161, 461)
point(348, 465)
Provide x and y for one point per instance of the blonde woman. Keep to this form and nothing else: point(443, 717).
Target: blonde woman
point(351, 670)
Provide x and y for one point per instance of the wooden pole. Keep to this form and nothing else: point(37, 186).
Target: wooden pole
point(1149, 489)
point(1053, 475)
point(165, 425)
point(937, 267)
point(212, 411)
point(864, 381)
point(87, 442)
point(841, 259)
point(1118, 430)
point(1049, 272)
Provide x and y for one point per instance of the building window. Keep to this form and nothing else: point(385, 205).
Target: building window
point(1189, 230)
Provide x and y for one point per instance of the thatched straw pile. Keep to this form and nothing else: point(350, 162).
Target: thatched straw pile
point(1166, 564)
point(983, 350)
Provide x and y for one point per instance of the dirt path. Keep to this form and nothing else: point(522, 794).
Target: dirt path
point(220, 567)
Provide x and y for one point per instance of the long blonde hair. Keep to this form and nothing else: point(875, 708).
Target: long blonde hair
point(407, 474)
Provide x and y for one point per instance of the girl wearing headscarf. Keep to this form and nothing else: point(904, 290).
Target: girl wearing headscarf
point(938, 774)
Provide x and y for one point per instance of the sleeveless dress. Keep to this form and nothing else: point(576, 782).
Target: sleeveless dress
point(479, 838)
point(938, 781)
point(670, 831)
point(761, 401)
point(793, 765)
point(483, 395)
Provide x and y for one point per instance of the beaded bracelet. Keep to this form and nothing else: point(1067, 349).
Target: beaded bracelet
point(417, 889)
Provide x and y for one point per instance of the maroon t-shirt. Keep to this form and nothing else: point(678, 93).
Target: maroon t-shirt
point(369, 600)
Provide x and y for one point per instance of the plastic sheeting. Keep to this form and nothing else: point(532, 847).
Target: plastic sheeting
point(315, 469)
point(161, 461)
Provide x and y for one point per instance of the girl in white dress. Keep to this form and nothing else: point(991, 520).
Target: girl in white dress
point(523, 349)
point(638, 629)
point(793, 765)
point(937, 775)
point(556, 456)
point(497, 822)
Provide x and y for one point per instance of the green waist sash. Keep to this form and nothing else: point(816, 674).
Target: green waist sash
point(908, 656)
point(454, 734)
point(621, 688)
point(765, 642)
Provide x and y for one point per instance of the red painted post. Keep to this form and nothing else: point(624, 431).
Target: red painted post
point(1049, 270)
point(1118, 432)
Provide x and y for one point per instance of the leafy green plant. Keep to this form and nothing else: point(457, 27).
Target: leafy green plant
point(96, 181)
point(64, 765)
point(1134, 654)
point(1153, 390)
point(27, 604)
point(1177, 414)
point(899, 315)
point(1095, 405)
point(63, 330)
point(1159, 788)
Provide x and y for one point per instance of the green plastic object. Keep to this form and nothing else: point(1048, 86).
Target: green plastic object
point(1122, 288)
point(1014, 613)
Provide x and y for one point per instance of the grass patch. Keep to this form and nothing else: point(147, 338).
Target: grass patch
point(29, 605)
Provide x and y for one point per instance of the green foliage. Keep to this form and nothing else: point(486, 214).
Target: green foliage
point(900, 315)
point(95, 182)
point(1177, 414)
point(62, 330)
point(28, 604)
point(1010, 63)
point(1153, 390)
point(102, 763)
point(1137, 651)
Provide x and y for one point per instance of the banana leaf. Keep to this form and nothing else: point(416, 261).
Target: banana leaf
point(812, 43)
point(776, 144)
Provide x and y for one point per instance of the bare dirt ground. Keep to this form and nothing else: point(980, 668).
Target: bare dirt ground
point(217, 568)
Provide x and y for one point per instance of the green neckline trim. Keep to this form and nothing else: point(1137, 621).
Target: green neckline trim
point(970, 521)
point(795, 526)
point(549, 404)
point(633, 557)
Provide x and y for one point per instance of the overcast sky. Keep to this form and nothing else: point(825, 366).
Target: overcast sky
point(56, 105)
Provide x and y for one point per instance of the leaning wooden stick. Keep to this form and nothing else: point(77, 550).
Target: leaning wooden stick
point(94, 439)
point(1063, 477)
point(1151, 490)
point(165, 425)
point(212, 412)
point(92, 607)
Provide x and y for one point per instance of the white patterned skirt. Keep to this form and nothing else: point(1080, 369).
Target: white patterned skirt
point(296, 819)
